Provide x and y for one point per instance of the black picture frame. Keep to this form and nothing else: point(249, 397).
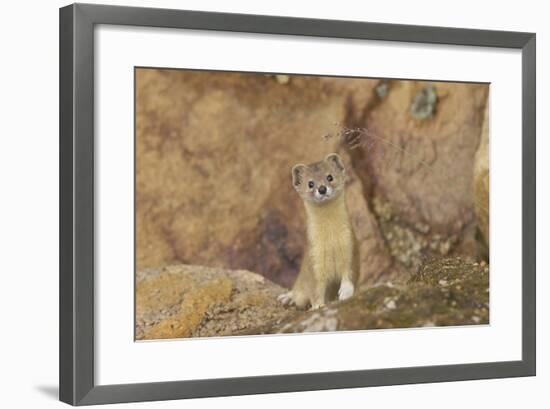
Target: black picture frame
point(76, 257)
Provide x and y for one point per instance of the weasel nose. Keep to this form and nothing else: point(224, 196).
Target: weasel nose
point(322, 189)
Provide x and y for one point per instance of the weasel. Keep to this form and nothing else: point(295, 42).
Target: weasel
point(330, 266)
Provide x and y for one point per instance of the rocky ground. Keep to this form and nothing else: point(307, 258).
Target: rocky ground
point(191, 301)
point(213, 188)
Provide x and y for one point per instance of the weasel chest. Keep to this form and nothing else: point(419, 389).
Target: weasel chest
point(331, 249)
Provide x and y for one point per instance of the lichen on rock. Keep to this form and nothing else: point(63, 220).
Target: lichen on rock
point(410, 244)
point(193, 301)
point(424, 103)
point(444, 292)
point(183, 301)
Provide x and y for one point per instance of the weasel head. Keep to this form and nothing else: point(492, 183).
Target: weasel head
point(320, 182)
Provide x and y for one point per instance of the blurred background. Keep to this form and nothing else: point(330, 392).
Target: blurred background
point(214, 152)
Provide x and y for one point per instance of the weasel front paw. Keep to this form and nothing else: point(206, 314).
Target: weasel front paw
point(286, 298)
point(316, 306)
point(346, 290)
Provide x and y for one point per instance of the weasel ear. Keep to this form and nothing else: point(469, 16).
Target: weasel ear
point(335, 159)
point(298, 175)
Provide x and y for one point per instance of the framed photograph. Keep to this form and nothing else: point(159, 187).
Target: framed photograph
point(257, 204)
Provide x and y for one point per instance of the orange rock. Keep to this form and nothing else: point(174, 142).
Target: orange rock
point(481, 181)
point(214, 153)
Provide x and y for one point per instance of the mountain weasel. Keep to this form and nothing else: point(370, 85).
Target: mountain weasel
point(330, 266)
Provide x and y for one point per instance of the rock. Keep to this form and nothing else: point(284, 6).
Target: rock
point(282, 79)
point(193, 301)
point(382, 89)
point(213, 168)
point(375, 260)
point(481, 181)
point(419, 173)
point(421, 302)
point(213, 160)
point(424, 104)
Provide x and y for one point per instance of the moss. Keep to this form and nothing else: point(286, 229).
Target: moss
point(443, 292)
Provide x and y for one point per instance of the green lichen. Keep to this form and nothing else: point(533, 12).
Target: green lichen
point(382, 89)
point(410, 244)
point(443, 292)
point(424, 104)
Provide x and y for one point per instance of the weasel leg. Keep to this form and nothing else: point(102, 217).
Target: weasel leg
point(316, 306)
point(286, 298)
point(346, 289)
point(294, 297)
point(320, 296)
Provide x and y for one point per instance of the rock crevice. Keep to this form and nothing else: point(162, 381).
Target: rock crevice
point(214, 153)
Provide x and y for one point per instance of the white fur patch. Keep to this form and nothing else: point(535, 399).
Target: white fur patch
point(321, 198)
point(286, 298)
point(346, 290)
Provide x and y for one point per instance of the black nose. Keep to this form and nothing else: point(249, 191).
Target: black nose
point(322, 189)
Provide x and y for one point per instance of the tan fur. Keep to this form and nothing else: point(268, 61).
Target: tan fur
point(330, 266)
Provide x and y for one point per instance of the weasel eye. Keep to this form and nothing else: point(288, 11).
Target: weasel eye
point(330, 178)
point(311, 184)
